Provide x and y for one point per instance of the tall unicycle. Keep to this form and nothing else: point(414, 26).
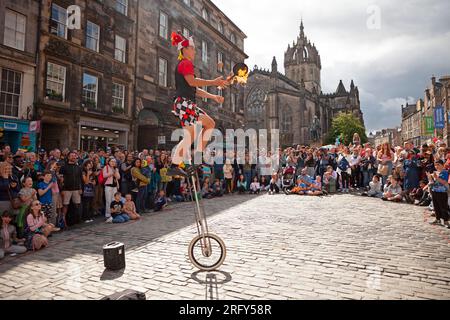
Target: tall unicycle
point(206, 251)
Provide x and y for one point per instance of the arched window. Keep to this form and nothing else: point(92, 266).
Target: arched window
point(205, 14)
point(305, 53)
point(256, 104)
point(220, 27)
point(233, 38)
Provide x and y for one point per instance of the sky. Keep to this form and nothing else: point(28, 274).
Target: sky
point(390, 48)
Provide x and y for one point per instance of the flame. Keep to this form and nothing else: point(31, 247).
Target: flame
point(241, 77)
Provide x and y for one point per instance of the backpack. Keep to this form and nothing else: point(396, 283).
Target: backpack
point(343, 164)
point(101, 179)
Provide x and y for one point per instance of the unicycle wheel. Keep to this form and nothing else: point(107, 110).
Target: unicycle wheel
point(207, 259)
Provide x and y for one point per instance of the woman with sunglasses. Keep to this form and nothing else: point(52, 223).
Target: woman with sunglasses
point(37, 230)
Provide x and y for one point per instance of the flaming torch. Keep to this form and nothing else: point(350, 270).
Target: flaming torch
point(239, 75)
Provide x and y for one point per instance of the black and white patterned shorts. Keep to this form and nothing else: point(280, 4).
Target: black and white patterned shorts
point(186, 111)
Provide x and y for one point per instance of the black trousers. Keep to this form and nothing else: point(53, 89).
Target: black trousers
point(86, 203)
point(440, 204)
point(274, 187)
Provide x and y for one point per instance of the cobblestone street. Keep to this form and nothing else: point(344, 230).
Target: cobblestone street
point(278, 247)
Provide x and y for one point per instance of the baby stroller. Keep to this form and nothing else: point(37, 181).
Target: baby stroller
point(288, 179)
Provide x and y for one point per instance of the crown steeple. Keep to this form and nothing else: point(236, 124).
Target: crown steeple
point(302, 30)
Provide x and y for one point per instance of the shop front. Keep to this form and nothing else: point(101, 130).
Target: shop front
point(95, 134)
point(18, 134)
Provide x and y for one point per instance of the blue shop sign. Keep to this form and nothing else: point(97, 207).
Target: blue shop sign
point(10, 126)
point(439, 117)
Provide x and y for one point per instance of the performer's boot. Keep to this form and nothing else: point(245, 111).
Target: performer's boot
point(177, 170)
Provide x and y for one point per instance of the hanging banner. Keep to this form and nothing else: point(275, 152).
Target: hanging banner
point(428, 123)
point(439, 117)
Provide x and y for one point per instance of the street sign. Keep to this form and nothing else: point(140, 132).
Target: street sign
point(439, 117)
point(35, 126)
point(428, 125)
point(161, 140)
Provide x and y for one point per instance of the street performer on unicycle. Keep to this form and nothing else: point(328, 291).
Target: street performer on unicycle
point(206, 251)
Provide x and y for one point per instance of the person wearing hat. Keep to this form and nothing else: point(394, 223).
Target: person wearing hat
point(185, 107)
point(8, 236)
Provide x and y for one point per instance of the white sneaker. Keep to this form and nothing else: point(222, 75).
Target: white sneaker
point(109, 220)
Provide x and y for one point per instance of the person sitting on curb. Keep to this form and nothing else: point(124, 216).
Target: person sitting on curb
point(301, 188)
point(425, 200)
point(374, 188)
point(393, 192)
point(217, 188)
point(255, 186)
point(117, 213)
point(8, 237)
point(242, 184)
point(316, 187)
point(161, 201)
point(130, 208)
point(37, 229)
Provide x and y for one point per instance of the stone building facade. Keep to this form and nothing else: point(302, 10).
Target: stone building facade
point(294, 102)
point(436, 94)
point(18, 42)
point(85, 92)
point(412, 122)
point(217, 39)
point(109, 81)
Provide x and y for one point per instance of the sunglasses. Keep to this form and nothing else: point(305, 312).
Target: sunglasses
point(36, 204)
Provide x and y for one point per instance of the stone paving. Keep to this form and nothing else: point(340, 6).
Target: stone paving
point(278, 247)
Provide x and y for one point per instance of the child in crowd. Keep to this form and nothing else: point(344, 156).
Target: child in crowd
point(45, 197)
point(374, 188)
point(416, 194)
point(130, 208)
point(265, 185)
point(301, 187)
point(207, 191)
point(316, 187)
point(330, 180)
point(255, 186)
point(273, 186)
point(161, 201)
point(393, 192)
point(37, 230)
point(217, 188)
point(8, 237)
point(425, 200)
point(242, 184)
point(228, 174)
point(184, 190)
point(117, 212)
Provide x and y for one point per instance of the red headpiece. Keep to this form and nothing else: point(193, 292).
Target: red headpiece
point(180, 41)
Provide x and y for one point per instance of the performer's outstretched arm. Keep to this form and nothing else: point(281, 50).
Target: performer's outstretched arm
point(196, 82)
point(203, 94)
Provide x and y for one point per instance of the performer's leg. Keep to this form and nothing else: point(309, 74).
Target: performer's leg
point(184, 145)
point(208, 125)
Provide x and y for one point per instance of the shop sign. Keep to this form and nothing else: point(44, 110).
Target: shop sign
point(35, 126)
point(10, 126)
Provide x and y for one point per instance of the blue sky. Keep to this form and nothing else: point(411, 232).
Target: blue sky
point(390, 49)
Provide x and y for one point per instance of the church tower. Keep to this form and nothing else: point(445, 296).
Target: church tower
point(302, 62)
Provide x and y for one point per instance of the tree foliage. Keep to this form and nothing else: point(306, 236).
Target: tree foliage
point(345, 125)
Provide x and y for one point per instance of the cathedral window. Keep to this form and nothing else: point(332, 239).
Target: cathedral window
point(286, 120)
